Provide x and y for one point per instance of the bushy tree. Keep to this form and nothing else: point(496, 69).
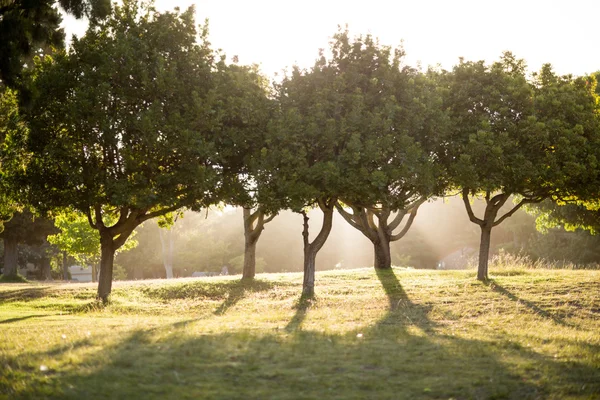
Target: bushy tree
point(122, 127)
point(389, 116)
point(514, 137)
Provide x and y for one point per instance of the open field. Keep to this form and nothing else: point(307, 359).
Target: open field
point(401, 334)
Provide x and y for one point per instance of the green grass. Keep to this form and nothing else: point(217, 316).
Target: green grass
point(13, 279)
point(401, 334)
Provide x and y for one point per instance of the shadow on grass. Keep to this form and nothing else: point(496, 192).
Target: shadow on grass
point(531, 306)
point(237, 290)
point(25, 294)
point(11, 320)
point(301, 306)
point(402, 310)
point(232, 290)
point(388, 360)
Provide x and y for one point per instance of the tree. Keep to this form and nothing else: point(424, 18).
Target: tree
point(12, 127)
point(246, 112)
point(390, 116)
point(122, 126)
point(511, 136)
point(305, 151)
point(27, 24)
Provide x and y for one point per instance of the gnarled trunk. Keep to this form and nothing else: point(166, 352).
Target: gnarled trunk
point(11, 257)
point(107, 248)
point(484, 252)
point(380, 233)
point(383, 258)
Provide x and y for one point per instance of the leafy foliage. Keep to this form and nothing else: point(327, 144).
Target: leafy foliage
point(27, 24)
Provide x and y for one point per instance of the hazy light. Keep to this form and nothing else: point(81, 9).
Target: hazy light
point(277, 34)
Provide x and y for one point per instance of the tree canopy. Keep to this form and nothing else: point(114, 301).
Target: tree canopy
point(27, 24)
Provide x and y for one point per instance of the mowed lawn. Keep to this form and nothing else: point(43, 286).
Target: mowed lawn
point(401, 334)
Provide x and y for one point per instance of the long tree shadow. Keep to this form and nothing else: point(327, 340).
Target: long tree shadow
point(531, 306)
point(25, 294)
point(301, 306)
point(401, 309)
point(389, 361)
point(11, 320)
point(238, 290)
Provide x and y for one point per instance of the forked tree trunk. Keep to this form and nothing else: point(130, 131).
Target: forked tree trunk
point(493, 205)
point(484, 252)
point(107, 259)
point(254, 224)
point(11, 257)
point(380, 233)
point(311, 249)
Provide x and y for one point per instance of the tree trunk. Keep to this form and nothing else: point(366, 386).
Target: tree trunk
point(308, 285)
point(65, 266)
point(167, 251)
point(484, 252)
point(46, 268)
point(107, 259)
point(249, 270)
point(11, 257)
point(169, 271)
point(311, 249)
point(383, 258)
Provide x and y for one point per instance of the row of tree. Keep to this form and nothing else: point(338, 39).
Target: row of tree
point(141, 118)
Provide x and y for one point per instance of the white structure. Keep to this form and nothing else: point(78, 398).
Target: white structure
point(80, 274)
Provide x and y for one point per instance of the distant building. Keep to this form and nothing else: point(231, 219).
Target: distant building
point(80, 274)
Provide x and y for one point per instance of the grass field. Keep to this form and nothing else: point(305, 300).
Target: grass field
point(401, 334)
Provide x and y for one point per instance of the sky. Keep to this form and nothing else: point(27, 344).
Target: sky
point(279, 34)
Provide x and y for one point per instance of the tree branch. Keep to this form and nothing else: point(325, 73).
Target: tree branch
point(350, 218)
point(325, 228)
point(411, 218)
point(397, 220)
point(88, 213)
point(472, 217)
point(98, 212)
point(158, 213)
point(515, 208)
